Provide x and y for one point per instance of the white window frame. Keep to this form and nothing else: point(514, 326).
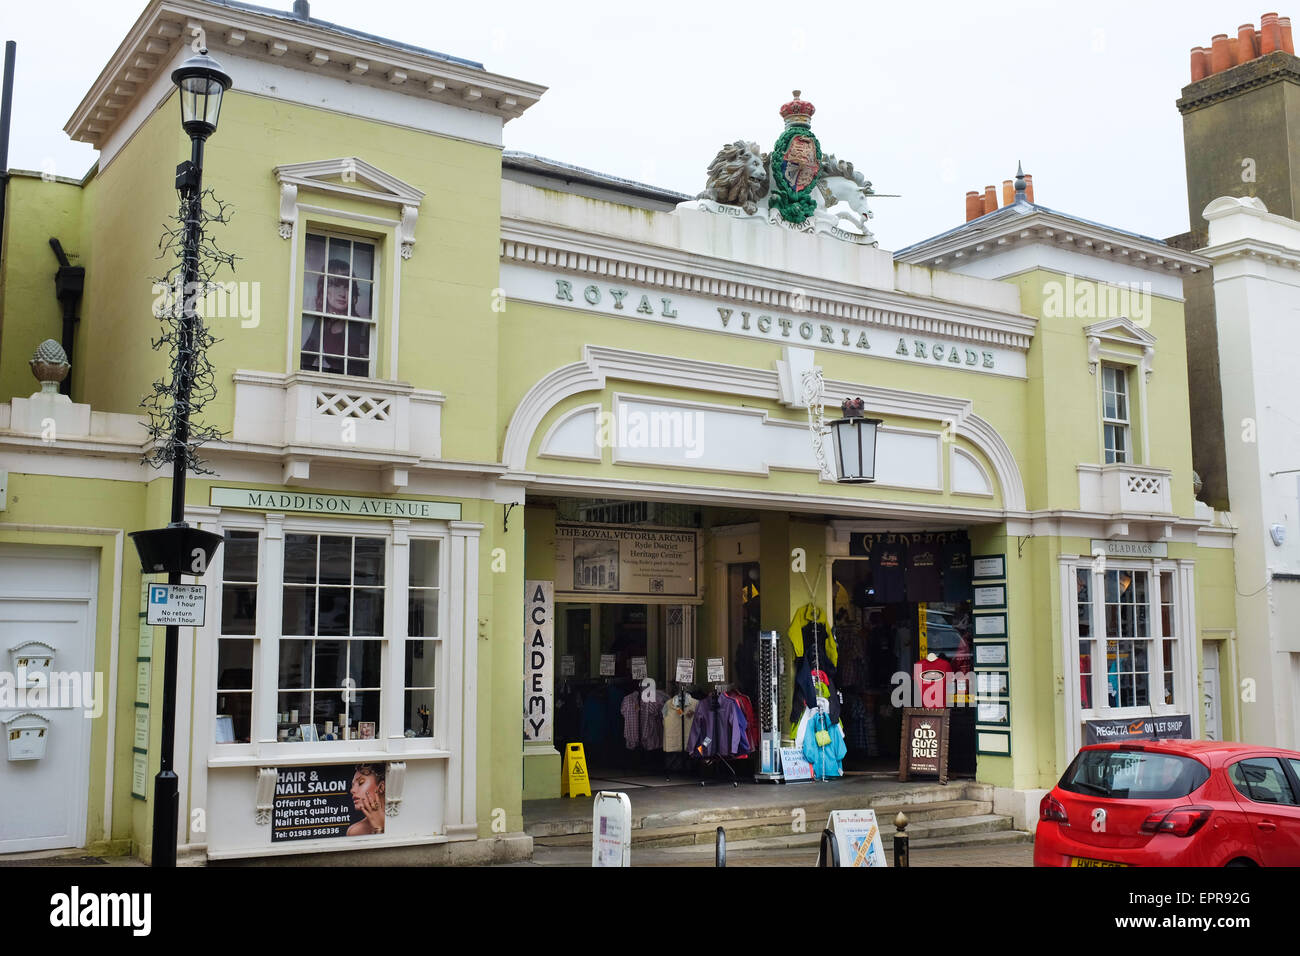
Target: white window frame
point(376, 284)
point(1184, 630)
point(1121, 343)
point(1121, 375)
point(354, 178)
point(391, 738)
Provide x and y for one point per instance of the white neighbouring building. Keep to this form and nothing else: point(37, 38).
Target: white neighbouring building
point(1256, 258)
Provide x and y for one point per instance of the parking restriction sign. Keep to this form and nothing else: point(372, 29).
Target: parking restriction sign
point(177, 604)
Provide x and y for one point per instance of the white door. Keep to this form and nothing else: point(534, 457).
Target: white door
point(47, 594)
point(1210, 691)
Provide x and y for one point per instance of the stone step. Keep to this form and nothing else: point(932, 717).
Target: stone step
point(951, 812)
point(937, 840)
point(817, 807)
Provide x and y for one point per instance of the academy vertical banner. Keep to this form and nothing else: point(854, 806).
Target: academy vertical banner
point(539, 650)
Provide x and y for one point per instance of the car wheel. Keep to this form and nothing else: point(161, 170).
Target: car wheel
point(1239, 862)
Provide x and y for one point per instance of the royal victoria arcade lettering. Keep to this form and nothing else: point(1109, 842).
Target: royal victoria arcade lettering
point(697, 312)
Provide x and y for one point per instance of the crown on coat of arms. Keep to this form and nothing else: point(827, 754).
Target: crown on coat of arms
point(797, 112)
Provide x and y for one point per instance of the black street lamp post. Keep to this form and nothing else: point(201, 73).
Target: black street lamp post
point(179, 549)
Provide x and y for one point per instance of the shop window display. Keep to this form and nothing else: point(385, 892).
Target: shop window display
point(1128, 638)
point(238, 633)
point(331, 640)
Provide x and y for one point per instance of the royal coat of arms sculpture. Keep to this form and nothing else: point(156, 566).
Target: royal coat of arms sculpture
point(796, 185)
point(796, 162)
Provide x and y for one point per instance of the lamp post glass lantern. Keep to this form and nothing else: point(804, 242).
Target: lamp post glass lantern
point(201, 82)
point(855, 444)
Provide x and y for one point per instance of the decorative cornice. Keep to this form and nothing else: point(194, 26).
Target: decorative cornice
point(1267, 252)
point(1037, 225)
point(350, 169)
point(805, 296)
point(1120, 331)
point(166, 26)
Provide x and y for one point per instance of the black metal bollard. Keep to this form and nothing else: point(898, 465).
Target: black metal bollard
point(830, 850)
point(902, 842)
point(720, 848)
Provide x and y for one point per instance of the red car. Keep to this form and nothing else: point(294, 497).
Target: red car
point(1173, 803)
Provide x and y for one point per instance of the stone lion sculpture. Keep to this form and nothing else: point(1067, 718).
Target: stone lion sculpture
point(738, 176)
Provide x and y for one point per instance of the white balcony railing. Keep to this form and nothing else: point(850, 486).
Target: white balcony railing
point(313, 409)
point(1125, 489)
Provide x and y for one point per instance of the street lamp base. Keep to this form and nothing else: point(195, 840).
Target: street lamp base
point(166, 818)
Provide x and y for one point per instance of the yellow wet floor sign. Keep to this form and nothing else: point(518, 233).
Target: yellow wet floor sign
point(574, 782)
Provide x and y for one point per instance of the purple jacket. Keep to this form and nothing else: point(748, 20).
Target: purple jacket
point(718, 718)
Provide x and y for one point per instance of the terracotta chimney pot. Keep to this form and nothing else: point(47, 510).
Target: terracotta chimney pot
point(1029, 188)
point(1220, 55)
point(1200, 64)
point(1008, 192)
point(1270, 35)
point(1284, 26)
point(990, 198)
point(1246, 48)
point(974, 205)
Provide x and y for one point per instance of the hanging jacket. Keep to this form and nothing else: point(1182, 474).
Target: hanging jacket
point(719, 721)
point(808, 686)
point(752, 732)
point(827, 759)
point(674, 717)
point(811, 614)
point(805, 616)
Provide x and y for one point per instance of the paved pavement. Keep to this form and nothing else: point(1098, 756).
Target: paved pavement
point(676, 802)
point(1018, 854)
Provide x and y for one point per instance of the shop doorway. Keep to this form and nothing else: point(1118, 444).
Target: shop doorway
point(599, 646)
point(1210, 686)
point(901, 606)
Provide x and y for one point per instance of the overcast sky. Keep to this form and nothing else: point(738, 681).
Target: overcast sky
point(929, 99)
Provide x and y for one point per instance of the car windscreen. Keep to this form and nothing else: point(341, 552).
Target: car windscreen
point(1133, 775)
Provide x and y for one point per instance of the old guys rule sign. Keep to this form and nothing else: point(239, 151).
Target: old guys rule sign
point(923, 750)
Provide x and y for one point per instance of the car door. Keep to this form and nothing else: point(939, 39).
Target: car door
point(1268, 796)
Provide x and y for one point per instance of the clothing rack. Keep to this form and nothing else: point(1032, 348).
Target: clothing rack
point(710, 760)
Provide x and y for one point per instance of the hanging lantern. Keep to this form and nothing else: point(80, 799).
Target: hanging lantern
point(855, 444)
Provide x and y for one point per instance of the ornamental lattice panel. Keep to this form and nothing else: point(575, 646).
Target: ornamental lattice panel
point(1143, 485)
point(344, 405)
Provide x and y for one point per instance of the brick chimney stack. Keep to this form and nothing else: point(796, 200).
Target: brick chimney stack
point(1234, 111)
point(981, 204)
point(1225, 52)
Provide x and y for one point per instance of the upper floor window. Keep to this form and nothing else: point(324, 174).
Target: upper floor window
point(1115, 414)
point(338, 296)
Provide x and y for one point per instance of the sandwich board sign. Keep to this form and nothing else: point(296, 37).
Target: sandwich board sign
point(611, 830)
point(857, 836)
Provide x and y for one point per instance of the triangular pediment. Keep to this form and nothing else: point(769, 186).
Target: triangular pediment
point(349, 175)
point(1120, 329)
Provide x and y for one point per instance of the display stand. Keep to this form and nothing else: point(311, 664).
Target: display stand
point(769, 650)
